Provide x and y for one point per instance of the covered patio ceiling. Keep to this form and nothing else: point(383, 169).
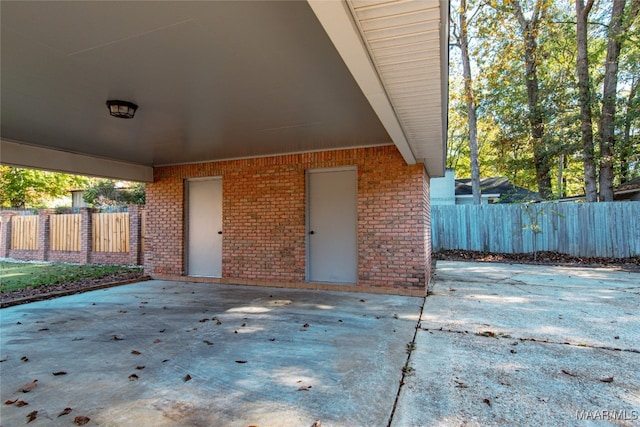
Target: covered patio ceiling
point(218, 80)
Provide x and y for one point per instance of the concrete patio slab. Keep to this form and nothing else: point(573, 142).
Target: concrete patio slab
point(496, 344)
point(191, 354)
point(522, 345)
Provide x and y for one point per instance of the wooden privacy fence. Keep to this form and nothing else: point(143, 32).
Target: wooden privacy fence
point(25, 232)
point(579, 229)
point(110, 232)
point(87, 237)
point(64, 234)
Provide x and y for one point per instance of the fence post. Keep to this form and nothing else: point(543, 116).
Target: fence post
point(134, 234)
point(86, 238)
point(43, 234)
point(5, 234)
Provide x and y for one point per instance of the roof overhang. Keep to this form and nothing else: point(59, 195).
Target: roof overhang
point(220, 80)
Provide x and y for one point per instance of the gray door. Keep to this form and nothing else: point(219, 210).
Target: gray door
point(332, 221)
point(204, 236)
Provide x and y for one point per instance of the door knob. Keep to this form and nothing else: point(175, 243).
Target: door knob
point(219, 232)
point(312, 232)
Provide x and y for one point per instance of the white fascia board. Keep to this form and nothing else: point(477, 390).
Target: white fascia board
point(337, 21)
point(28, 156)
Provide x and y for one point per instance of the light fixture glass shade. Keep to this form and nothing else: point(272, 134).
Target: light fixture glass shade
point(122, 109)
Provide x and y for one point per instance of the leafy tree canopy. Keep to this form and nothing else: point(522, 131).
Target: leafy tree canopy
point(30, 188)
point(113, 193)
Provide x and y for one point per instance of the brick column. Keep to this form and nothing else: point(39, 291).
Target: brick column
point(134, 234)
point(86, 238)
point(43, 234)
point(5, 234)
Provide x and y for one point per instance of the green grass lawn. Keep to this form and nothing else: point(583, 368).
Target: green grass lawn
point(17, 275)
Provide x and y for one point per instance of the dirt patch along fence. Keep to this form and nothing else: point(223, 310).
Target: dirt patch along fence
point(608, 230)
point(87, 237)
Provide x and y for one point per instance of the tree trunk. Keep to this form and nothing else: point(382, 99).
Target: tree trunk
point(582, 13)
point(607, 118)
point(540, 153)
point(472, 120)
point(626, 149)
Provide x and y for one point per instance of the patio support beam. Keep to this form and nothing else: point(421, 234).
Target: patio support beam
point(28, 156)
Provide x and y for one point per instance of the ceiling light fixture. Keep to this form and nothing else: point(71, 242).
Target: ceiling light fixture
point(122, 109)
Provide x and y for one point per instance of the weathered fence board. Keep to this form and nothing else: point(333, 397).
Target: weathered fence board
point(24, 232)
point(64, 234)
point(110, 232)
point(579, 229)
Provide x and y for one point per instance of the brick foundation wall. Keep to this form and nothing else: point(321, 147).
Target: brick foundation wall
point(264, 240)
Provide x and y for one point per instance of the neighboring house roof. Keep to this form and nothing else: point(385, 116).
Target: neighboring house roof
point(218, 80)
point(633, 185)
point(630, 190)
point(498, 187)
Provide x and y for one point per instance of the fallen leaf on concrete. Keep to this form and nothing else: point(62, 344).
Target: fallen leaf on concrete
point(362, 300)
point(162, 330)
point(607, 380)
point(306, 325)
point(24, 358)
point(10, 402)
point(133, 377)
point(204, 320)
point(317, 423)
point(32, 416)
point(569, 373)
point(4, 359)
point(461, 385)
point(543, 399)
point(304, 388)
point(122, 311)
point(136, 352)
point(156, 341)
point(187, 378)
point(65, 411)
point(241, 361)
point(395, 315)
point(272, 339)
point(28, 387)
point(117, 338)
point(80, 421)
point(43, 329)
point(487, 401)
point(21, 403)
point(207, 342)
point(57, 374)
point(141, 367)
point(486, 334)
point(243, 325)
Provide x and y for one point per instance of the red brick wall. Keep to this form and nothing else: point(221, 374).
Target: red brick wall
point(264, 217)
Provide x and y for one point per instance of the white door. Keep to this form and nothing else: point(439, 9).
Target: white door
point(204, 236)
point(332, 220)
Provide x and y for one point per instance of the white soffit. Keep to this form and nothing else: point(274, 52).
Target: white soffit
point(403, 70)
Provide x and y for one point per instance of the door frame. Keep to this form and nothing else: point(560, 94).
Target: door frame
point(186, 221)
point(307, 216)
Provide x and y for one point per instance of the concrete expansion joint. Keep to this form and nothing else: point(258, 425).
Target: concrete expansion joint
point(500, 335)
point(407, 369)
